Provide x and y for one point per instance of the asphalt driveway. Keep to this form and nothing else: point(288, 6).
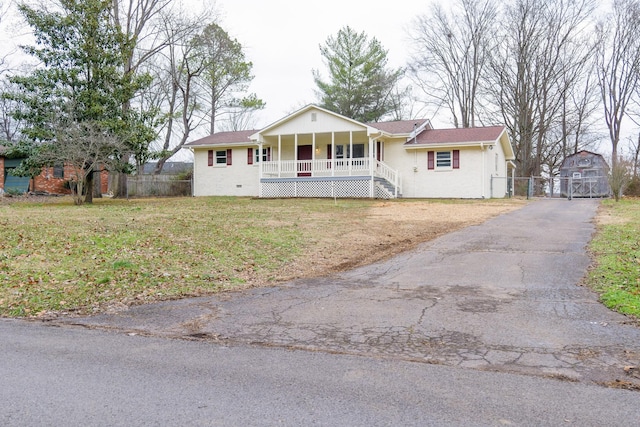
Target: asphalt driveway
point(501, 296)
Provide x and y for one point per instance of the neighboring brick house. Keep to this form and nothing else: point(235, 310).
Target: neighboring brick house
point(52, 180)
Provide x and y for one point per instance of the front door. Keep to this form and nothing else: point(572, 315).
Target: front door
point(305, 152)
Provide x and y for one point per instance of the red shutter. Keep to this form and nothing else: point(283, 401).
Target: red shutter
point(329, 151)
point(210, 157)
point(229, 157)
point(456, 159)
point(249, 156)
point(430, 160)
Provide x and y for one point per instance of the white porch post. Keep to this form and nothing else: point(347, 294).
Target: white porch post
point(350, 159)
point(260, 169)
point(371, 169)
point(295, 155)
point(313, 152)
point(279, 156)
point(333, 153)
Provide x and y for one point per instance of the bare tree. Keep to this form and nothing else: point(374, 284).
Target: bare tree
point(618, 65)
point(450, 55)
point(176, 92)
point(9, 125)
point(135, 18)
point(537, 71)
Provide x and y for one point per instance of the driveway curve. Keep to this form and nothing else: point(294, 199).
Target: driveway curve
point(504, 295)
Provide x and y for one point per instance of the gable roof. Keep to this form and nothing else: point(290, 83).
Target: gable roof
point(400, 126)
point(302, 111)
point(584, 153)
point(458, 135)
point(224, 138)
point(426, 135)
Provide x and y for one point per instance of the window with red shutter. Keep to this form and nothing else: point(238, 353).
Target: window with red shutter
point(430, 160)
point(456, 159)
point(210, 153)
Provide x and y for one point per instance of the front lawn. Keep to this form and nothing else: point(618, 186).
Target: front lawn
point(616, 249)
point(60, 259)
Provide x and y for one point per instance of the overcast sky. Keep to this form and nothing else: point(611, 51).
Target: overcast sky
point(282, 39)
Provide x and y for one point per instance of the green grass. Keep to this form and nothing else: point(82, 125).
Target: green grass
point(61, 257)
point(616, 248)
point(56, 257)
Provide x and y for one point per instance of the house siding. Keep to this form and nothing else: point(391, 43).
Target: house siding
point(304, 124)
point(237, 179)
point(482, 171)
point(478, 166)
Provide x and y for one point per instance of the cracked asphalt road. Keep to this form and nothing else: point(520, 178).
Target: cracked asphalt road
point(501, 296)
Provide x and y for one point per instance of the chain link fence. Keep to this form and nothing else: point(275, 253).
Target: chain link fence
point(552, 187)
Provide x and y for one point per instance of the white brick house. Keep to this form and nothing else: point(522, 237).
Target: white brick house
point(317, 153)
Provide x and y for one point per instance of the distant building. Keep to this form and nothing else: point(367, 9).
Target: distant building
point(52, 180)
point(584, 174)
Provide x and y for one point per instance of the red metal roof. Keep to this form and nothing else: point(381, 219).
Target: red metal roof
point(459, 135)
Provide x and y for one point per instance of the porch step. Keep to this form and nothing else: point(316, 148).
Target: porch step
point(390, 189)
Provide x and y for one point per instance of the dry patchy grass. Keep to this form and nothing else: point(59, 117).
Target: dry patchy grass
point(61, 259)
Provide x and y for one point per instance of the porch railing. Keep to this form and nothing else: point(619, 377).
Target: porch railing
point(391, 175)
point(328, 168)
point(317, 168)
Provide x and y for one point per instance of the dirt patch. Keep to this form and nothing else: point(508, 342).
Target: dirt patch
point(341, 240)
point(388, 229)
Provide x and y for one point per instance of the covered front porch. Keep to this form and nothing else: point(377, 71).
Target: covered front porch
point(316, 153)
point(360, 177)
point(335, 164)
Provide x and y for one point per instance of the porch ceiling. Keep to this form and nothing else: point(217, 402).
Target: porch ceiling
point(321, 138)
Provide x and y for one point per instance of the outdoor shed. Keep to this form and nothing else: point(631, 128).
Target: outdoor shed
point(584, 174)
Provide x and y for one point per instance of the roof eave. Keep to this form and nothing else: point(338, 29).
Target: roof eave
point(415, 146)
point(223, 144)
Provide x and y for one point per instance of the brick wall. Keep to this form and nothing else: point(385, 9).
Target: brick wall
point(47, 183)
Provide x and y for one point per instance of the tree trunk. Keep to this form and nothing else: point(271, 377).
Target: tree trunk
point(89, 188)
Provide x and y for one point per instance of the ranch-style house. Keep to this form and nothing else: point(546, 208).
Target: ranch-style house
point(314, 152)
